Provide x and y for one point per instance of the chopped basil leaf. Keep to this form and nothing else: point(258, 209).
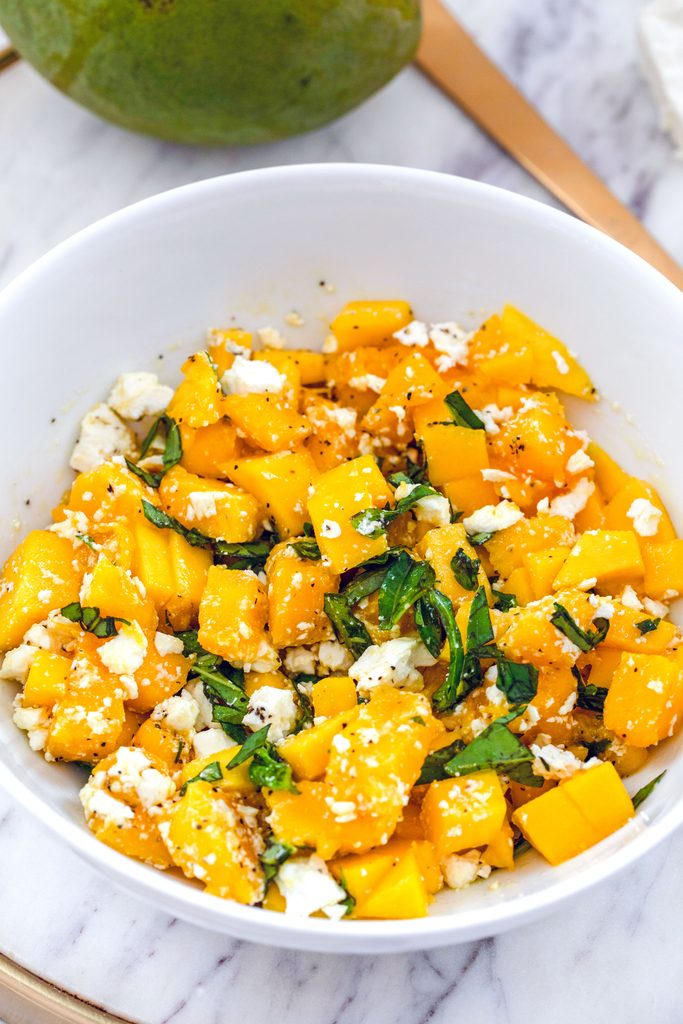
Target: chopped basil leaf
point(595, 747)
point(520, 846)
point(503, 602)
point(498, 749)
point(300, 683)
point(91, 620)
point(373, 522)
point(518, 682)
point(644, 792)
point(348, 629)
point(350, 901)
point(173, 449)
point(249, 747)
point(269, 770)
point(151, 479)
point(307, 549)
point(461, 412)
point(589, 697)
point(364, 584)
point(404, 582)
point(433, 766)
point(585, 640)
point(450, 691)
point(192, 646)
point(648, 625)
point(480, 538)
point(242, 555)
point(212, 773)
point(87, 539)
point(228, 700)
point(179, 750)
point(479, 628)
point(163, 521)
point(275, 854)
point(429, 626)
point(465, 569)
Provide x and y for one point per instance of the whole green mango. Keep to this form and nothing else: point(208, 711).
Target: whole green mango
point(216, 71)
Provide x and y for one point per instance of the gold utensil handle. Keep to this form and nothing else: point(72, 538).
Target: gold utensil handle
point(8, 56)
point(451, 58)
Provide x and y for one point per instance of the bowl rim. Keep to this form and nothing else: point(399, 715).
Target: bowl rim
point(273, 928)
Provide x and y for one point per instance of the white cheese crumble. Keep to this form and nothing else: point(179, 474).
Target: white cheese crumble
point(270, 337)
point(334, 657)
point(202, 504)
point(273, 707)
point(307, 886)
point(33, 721)
point(492, 518)
point(247, 377)
point(196, 691)
point(560, 362)
point(179, 713)
point(125, 652)
point(97, 803)
point(656, 608)
point(17, 662)
point(448, 338)
point(460, 870)
point(139, 394)
point(491, 415)
point(579, 462)
point(496, 476)
point(553, 762)
point(434, 509)
point(329, 528)
point(102, 436)
point(368, 382)
point(299, 660)
point(394, 663)
point(570, 504)
point(630, 599)
point(645, 516)
point(165, 644)
point(211, 741)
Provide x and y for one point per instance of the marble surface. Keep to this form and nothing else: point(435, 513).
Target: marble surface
point(613, 954)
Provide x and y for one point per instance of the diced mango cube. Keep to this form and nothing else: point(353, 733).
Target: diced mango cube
point(645, 699)
point(217, 509)
point(280, 483)
point(336, 496)
point(606, 556)
point(370, 322)
point(461, 813)
point(333, 695)
point(46, 680)
point(232, 617)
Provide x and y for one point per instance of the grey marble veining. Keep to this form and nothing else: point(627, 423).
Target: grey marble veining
point(612, 955)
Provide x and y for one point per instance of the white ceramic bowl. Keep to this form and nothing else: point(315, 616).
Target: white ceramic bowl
point(148, 281)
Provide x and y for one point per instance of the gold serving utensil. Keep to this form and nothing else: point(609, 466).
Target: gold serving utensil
point(8, 56)
point(451, 58)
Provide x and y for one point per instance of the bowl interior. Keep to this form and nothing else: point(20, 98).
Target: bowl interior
point(138, 290)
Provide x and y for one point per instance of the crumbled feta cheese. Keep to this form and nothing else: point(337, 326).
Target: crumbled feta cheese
point(334, 657)
point(645, 517)
point(579, 462)
point(294, 319)
point(460, 870)
point(414, 334)
point(249, 377)
point(491, 415)
point(452, 341)
point(33, 721)
point(102, 436)
point(492, 518)
point(17, 662)
point(299, 660)
point(132, 773)
point(494, 695)
point(329, 528)
point(273, 707)
point(394, 663)
point(72, 527)
point(179, 713)
point(433, 508)
point(496, 476)
point(139, 394)
point(270, 337)
point(368, 382)
point(630, 599)
point(202, 504)
point(570, 504)
point(211, 741)
point(196, 691)
point(656, 608)
point(343, 417)
point(166, 643)
point(125, 652)
point(553, 762)
point(97, 803)
point(307, 886)
point(218, 336)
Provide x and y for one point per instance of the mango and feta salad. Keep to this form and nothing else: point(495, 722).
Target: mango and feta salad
point(333, 629)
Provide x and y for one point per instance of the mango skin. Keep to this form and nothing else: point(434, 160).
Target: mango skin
point(216, 72)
